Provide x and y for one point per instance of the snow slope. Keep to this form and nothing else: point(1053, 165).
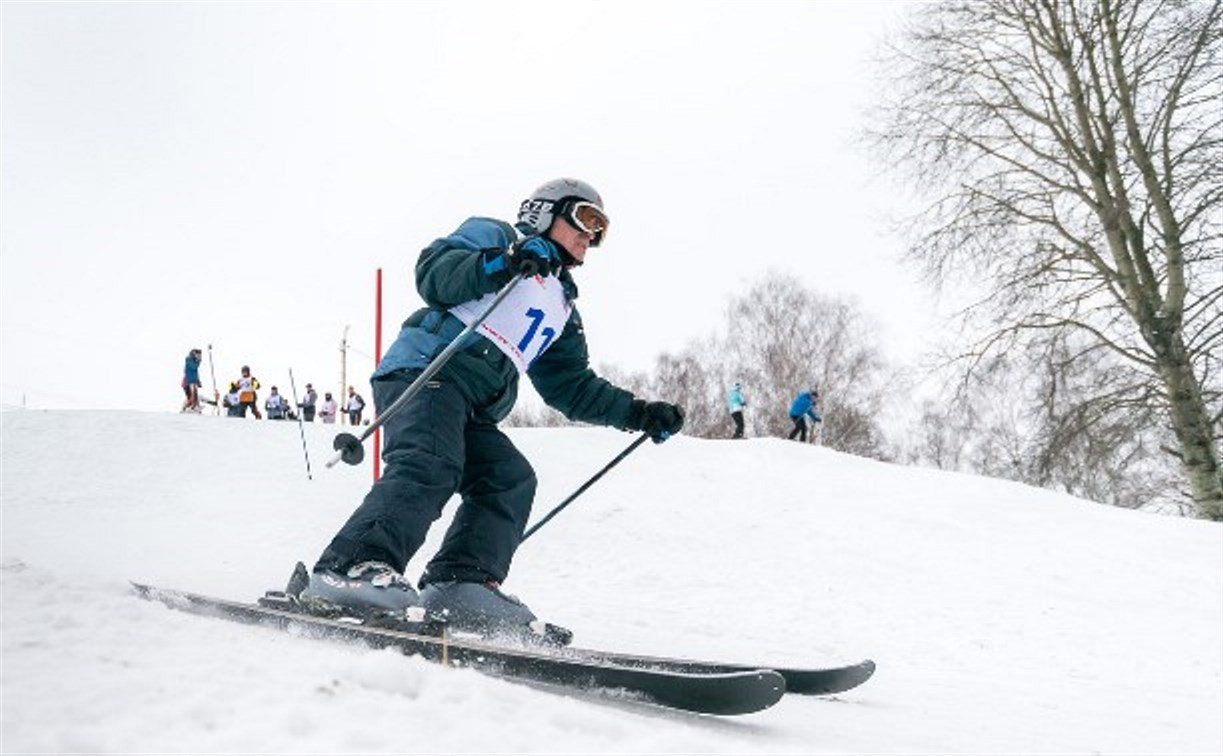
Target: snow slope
point(1003, 618)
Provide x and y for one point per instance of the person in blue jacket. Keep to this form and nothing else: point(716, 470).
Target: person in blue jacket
point(446, 439)
point(735, 402)
point(804, 407)
point(191, 381)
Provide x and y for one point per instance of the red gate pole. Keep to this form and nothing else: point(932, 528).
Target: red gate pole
point(377, 359)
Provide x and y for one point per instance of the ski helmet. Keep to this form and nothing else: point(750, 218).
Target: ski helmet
point(561, 197)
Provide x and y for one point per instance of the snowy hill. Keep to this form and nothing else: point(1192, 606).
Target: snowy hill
point(1003, 618)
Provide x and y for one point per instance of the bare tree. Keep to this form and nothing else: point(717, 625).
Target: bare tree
point(692, 382)
point(782, 339)
point(1067, 425)
point(1098, 431)
point(1077, 147)
point(689, 379)
point(940, 439)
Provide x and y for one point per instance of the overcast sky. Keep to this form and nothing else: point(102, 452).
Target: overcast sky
point(184, 174)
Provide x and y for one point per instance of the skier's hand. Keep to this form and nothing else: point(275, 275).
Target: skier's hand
point(660, 420)
point(535, 254)
point(537, 251)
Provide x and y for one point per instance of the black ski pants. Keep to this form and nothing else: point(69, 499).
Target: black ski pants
point(737, 416)
point(800, 428)
point(434, 449)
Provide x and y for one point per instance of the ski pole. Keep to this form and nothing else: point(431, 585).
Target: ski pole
point(556, 510)
point(212, 368)
point(300, 428)
point(349, 446)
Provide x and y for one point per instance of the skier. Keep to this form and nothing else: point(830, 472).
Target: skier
point(276, 405)
point(804, 407)
point(191, 381)
point(328, 409)
point(307, 403)
point(736, 403)
point(233, 407)
point(248, 396)
point(446, 440)
point(354, 406)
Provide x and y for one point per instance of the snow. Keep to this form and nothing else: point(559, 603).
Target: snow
point(1004, 619)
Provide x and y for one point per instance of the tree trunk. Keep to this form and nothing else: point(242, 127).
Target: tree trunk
point(1194, 431)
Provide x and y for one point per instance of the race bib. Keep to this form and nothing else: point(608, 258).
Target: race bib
point(526, 322)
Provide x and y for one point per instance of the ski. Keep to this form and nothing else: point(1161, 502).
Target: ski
point(735, 691)
point(814, 681)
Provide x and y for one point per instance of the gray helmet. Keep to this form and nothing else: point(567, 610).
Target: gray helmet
point(537, 211)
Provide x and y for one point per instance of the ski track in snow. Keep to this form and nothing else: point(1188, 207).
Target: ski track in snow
point(1004, 618)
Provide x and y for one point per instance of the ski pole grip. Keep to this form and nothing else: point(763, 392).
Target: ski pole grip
point(349, 448)
point(529, 268)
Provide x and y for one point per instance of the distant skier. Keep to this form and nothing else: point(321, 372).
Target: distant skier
point(804, 407)
point(248, 396)
point(276, 405)
point(354, 406)
point(307, 404)
point(191, 381)
point(328, 409)
point(735, 402)
point(446, 440)
point(233, 407)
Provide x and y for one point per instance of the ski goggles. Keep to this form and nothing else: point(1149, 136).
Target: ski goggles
point(588, 218)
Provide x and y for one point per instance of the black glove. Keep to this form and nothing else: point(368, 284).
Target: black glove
point(659, 419)
point(533, 254)
point(538, 250)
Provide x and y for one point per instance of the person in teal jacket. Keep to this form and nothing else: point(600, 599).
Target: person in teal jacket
point(446, 439)
point(804, 407)
point(735, 403)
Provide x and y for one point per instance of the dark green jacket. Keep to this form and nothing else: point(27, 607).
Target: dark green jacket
point(450, 271)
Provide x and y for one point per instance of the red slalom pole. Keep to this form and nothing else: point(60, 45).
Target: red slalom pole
point(377, 359)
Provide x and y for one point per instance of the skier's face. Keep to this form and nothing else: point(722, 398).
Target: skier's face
point(574, 241)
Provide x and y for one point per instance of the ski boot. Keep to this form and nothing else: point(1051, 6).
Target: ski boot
point(368, 593)
point(482, 609)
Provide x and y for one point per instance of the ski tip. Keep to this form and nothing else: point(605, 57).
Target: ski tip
point(772, 686)
point(853, 675)
point(732, 693)
point(826, 682)
point(148, 592)
point(172, 599)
